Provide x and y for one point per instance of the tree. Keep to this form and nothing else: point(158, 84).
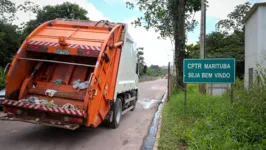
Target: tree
point(141, 62)
point(193, 50)
point(228, 41)
point(7, 10)
point(234, 41)
point(234, 19)
point(9, 42)
point(156, 71)
point(170, 18)
point(66, 10)
point(224, 45)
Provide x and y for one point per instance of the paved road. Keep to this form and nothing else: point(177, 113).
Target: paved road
point(129, 136)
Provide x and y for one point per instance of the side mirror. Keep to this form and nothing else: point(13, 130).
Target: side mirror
point(6, 68)
point(145, 69)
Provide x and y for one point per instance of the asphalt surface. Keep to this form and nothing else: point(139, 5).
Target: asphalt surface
point(133, 129)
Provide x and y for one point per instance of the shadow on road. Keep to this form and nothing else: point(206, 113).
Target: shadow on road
point(43, 136)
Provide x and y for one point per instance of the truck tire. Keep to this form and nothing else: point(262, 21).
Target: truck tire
point(134, 102)
point(117, 113)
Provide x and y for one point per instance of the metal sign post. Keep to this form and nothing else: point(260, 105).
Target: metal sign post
point(185, 101)
point(232, 93)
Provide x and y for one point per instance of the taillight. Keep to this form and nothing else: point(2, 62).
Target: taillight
point(76, 120)
point(36, 47)
point(83, 52)
point(73, 119)
point(14, 111)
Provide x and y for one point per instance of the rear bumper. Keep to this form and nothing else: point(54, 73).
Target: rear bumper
point(38, 107)
point(54, 123)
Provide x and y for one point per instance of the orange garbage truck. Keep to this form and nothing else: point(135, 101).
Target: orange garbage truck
point(72, 73)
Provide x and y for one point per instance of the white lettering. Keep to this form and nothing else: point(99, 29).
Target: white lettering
point(217, 66)
point(206, 75)
point(194, 75)
point(222, 75)
point(189, 66)
point(194, 66)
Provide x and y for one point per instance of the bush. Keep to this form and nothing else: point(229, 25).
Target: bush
point(2, 79)
point(209, 122)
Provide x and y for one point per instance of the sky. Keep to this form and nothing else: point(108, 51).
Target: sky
point(156, 51)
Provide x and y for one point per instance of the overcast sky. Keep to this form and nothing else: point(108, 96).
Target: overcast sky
point(156, 51)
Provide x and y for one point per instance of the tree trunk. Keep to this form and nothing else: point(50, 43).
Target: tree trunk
point(180, 42)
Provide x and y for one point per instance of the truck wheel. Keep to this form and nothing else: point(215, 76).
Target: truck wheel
point(134, 104)
point(117, 113)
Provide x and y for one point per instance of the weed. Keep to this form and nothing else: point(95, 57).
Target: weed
point(209, 122)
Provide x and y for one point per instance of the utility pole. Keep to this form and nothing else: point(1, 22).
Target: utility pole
point(202, 38)
point(168, 79)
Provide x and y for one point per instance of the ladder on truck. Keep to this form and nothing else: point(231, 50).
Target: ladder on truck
point(101, 93)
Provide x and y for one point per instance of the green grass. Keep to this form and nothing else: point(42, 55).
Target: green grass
point(215, 123)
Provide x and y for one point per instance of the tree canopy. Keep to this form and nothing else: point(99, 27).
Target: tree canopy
point(171, 18)
point(141, 62)
point(228, 41)
point(66, 10)
point(9, 42)
point(156, 71)
point(11, 35)
point(162, 15)
point(234, 21)
point(7, 10)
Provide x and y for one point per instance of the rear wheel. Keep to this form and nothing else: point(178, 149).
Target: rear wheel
point(117, 113)
point(134, 102)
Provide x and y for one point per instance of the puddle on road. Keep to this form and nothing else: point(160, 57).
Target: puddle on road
point(148, 103)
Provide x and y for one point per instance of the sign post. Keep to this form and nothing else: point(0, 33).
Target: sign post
point(217, 70)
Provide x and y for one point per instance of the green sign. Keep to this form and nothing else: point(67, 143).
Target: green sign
point(217, 70)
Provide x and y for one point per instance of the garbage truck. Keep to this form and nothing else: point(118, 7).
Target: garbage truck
point(71, 73)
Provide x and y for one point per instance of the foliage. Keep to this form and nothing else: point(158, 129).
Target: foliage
point(29, 6)
point(156, 71)
point(193, 50)
point(170, 18)
point(140, 53)
point(9, 42)
point(228, 41)
point(221, 45)
point(160, 14)
point(209, 122)
point(7, 10)
point(2, 78)
point(234, 19)
point(66, 10)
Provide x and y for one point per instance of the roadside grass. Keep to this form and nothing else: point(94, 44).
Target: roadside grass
point(214, 123)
